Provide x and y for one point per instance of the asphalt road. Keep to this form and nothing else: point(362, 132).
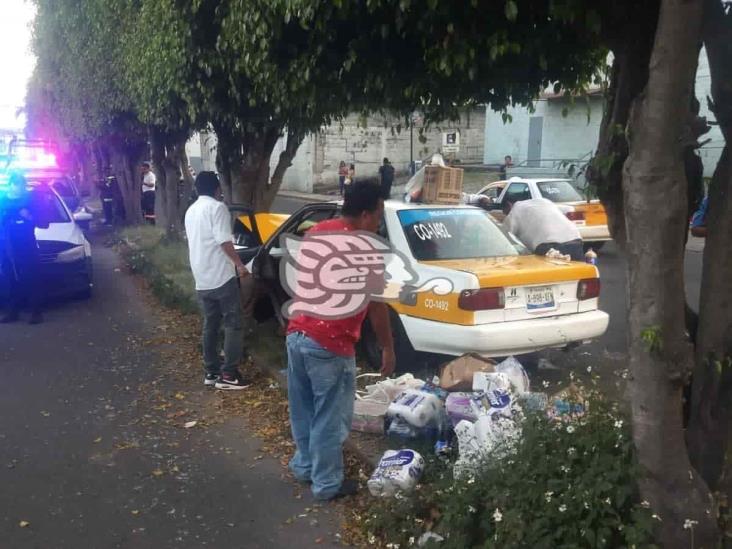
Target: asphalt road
point(608, 351)
point(86, 461)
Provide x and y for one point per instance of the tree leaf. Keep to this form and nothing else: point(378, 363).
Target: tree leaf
point(511, 10)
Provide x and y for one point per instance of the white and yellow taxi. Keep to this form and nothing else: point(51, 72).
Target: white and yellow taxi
point(589, 215)
point(503, 300)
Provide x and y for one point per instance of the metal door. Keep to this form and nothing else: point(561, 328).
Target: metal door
point(536, 124)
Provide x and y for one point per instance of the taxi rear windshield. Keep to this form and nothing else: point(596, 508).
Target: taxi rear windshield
point(452, 233)
point(559, 191)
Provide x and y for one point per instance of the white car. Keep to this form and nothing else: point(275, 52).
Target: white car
point(65, 253)
point(503, 300)
point(589, 216)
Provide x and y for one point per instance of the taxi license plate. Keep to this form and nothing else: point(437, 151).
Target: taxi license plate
point(540, 297)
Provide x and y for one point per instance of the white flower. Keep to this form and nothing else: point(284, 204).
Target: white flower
point(571, 450)
point(570, 429)
point(645, 504)
point(562, 508)
point(411, 540)
point(624, 375)
point(372, 539)
point(655, 516)
point(607, 500)
point(545, 384)
point(589, 369)
point(564, 469)
point(392, 546)
point(689, 524)
point(497, 515)
point(548, 496)
point(618, 423)
point(587, 505)
point(471, 480)
point(472, 509)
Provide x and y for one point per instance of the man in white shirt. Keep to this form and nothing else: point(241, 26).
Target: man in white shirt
point(216, 270)
point(148, 189)
point(541, 225)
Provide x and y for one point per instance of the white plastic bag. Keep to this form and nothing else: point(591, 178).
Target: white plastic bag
point(398, 470)
point(516, 374)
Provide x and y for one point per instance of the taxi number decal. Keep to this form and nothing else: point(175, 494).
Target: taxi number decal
point(428, 231)
point(436, 304)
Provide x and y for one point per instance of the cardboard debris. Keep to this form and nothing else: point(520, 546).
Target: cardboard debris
point(457, 375)
point(568, 403)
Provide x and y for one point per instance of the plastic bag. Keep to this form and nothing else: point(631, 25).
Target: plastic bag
point(516, 374)
point(398, 470)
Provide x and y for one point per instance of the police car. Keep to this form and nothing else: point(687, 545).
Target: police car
point(65, 253)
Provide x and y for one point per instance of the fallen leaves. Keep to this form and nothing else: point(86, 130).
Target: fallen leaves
point(190, 424)
point(24, 524)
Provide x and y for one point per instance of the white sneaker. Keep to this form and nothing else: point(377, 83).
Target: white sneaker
point(231, 382)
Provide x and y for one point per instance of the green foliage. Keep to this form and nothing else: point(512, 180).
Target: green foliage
point(651, 336)
point(80, 72)
point(398, 56)
point(569, 484)
point(163, 264)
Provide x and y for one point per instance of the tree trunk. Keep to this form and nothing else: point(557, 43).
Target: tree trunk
point(188, 181)
point(710, 424)
point(244, 166)
point(125, 160)
point(172, 183)
point(654, 195)
point(629, 74)
point(157, 145)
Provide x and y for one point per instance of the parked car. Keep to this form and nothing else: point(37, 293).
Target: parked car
point(504, 300)
point(589, 216)
point(65, 253)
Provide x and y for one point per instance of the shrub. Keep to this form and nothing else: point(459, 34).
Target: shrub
point(569, 484)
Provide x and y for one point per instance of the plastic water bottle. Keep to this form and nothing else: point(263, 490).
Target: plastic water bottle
point(591, 257)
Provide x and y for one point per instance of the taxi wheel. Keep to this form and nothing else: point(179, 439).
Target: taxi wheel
point(407, 359)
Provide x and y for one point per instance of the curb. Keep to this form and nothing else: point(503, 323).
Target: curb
point(308, 197)
point(351, 444)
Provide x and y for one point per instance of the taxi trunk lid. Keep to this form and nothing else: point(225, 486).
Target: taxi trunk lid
point(533, 286)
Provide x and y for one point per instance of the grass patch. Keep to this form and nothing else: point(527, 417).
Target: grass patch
point(163, 263)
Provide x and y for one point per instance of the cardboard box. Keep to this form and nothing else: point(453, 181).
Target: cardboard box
point(442, 185)
point(457, 375)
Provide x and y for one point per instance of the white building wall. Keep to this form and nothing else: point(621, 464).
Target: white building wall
point(361, 142)
point(710, 152)
point(573, 136)
point(563, 137)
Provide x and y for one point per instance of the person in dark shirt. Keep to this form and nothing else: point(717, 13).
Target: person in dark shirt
point(20, 214)
point(386, 177)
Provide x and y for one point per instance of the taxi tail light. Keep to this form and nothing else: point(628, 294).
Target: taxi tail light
point(482, 300)
point(575, 216)
point(588, 288)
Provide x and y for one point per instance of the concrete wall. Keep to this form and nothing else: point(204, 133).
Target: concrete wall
point(710, 152)
point(563, 137)
point(573, 136)
point(361, 142)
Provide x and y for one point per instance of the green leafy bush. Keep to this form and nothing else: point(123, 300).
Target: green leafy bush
point(569, 484)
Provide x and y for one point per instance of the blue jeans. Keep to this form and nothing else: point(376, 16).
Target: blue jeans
point(321, 388)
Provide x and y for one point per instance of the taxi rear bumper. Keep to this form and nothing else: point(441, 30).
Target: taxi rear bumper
point(504, 338)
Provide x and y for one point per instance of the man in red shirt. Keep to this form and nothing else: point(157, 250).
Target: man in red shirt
point(321, 370)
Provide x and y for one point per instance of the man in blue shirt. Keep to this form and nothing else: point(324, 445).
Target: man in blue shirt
point(699, 219)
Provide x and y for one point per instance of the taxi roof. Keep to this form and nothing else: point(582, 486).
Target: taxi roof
point(399, 205)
